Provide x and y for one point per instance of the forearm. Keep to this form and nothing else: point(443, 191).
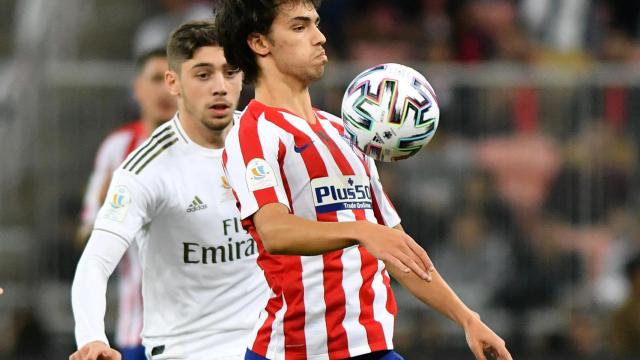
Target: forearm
point(437, 294)
point(287, 234)
point(88, 292)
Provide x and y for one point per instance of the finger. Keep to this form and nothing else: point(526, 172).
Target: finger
point(114, 355)
point(408, 262)
point(477, 351)
point(397, 263)
point(422, 255)
point(504, 354)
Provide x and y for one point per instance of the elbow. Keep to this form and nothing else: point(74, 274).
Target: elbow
point(271, 244)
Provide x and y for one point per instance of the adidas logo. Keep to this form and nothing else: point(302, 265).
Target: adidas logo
point(196, 205)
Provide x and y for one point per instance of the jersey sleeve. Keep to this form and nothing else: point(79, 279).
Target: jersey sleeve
point(129, 205)
point(382, 202)
point(251, 160)
point(88, 291)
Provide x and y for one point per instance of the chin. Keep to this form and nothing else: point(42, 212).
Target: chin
point(217, 124)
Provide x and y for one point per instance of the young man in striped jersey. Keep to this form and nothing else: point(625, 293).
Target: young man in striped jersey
point(156, 107)
point(286, 163)
point(201, 286)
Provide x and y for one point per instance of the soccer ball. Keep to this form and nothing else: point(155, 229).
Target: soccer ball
point(390, 112)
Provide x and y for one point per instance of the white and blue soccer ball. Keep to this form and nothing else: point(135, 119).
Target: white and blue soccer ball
point(390, 112)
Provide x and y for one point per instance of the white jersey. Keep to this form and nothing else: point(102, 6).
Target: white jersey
point(201, 286)
point(113, 150)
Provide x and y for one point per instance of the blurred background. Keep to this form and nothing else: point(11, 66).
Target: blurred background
point(527, 199)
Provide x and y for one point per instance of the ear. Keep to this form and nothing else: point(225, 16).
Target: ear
point(259, 43)
point(172, 80)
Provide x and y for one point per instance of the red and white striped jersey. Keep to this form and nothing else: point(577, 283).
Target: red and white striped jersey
point(331, 306)
point(113, 150)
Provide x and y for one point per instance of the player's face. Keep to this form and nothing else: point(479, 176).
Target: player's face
point(156, 103)
point(210, 88)
point(297, 44)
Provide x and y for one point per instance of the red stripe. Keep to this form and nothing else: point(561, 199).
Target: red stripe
point(375, 331)
point(263, 338)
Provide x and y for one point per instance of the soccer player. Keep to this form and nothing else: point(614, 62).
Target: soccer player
point(201, 286)
point(156, 107)
point(302, 189)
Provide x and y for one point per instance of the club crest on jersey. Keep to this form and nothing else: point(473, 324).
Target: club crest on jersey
point(341, 193)
point(260, 175)
point(117, 204)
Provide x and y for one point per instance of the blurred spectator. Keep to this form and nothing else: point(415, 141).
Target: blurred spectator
point(545, 269)
point(436, 31)
point(560, 25)
point(154, 32)
point(473, 260)
point(582, 338)
point(523, 166)
point(625, 321)
point(487, 30)
point(382, 31)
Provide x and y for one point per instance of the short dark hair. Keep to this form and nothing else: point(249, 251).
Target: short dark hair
point(187, 39)
point(235, 20)
point(142, 59)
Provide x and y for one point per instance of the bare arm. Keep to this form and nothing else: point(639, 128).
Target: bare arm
point(439, 296)
point(285, 234)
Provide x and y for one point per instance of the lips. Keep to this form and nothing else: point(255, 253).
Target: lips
point(219, 109)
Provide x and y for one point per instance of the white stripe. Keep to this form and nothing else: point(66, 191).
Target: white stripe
point(315, 330)
point(380, 312)
point(275, 350)
point(351, 283)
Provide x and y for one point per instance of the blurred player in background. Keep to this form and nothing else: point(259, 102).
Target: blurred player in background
point(156, 107)
point(201, 286)
point(302, 189)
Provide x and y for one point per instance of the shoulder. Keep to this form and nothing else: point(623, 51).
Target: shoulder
point(329, 116)
point(151, 156)
point(335, 121)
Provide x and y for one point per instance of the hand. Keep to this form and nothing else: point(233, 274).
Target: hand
point(396, 247)
point(482, 340)
point(1, 291)
point(95, 350)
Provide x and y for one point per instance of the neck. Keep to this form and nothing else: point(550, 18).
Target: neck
point(200, 134)
point(286, 93)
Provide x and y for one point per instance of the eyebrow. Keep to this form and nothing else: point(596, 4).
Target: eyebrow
point(202, 65)
point(306, 19)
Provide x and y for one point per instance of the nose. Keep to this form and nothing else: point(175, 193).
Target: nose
point(319, 39)
point(219, 84)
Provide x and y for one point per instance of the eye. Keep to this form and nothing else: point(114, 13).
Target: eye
point(231, 73)
point(202, 75)
point(298, 28)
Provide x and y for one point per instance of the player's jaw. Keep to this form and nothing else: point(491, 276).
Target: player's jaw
point(217, 114)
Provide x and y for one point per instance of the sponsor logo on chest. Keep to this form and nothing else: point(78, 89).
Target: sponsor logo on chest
point(341, 193)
